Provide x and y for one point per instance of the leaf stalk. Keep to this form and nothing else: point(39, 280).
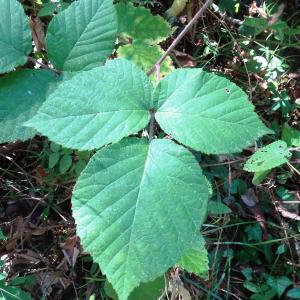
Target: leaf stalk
point(180, 36)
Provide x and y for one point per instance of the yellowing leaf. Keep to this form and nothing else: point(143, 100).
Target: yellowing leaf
point(139, 24)
point(145, 56)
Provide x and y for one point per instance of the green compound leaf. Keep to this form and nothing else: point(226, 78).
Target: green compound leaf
point(268, 157)
point(206, 112)
point(147, 291)
point(138, 208)
point(21, 95)
point(96, 107)
point(291, 136)
point(139, 24)
point(195, 260)
point(82, 36)
point(145, 56)
point(15, 35)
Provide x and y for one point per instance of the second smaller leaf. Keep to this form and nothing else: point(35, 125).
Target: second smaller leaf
point(195, 260)
point(268, 157)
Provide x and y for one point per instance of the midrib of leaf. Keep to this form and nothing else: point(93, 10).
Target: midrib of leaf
point(82, 33)
point(177, 178)
point(178, 89)
point(9, 9)
point(94, 114)
point(148, 158)
point(195, 98)
point(212, 119)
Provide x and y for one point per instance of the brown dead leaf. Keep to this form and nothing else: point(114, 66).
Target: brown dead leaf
point(286, 213)
point(273, 19)
point(249, 198)
point(251, 201)
point(184, 60)
point(184, 293)
point(71, 250)
point(254, 10)
point(41, 173)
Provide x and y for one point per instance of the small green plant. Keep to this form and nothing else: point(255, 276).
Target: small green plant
point(141, 200)
point(273, 155)
point(134, 181)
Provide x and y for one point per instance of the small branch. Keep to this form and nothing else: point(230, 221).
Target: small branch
point(44, 66)
point(151, 126)
point(180, 36)
point(224, 16)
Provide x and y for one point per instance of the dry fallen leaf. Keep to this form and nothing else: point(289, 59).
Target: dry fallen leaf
point(185, 60)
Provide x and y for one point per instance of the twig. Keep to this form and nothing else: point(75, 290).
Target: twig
point(223, 163)
point(44, 66)
point(151, 126)
point(293, 168)
point(224, 16)
point(180, 36)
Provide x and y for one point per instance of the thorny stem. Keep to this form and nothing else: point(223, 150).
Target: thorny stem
point(44, 66)
point(151, 125)
point(180, 36)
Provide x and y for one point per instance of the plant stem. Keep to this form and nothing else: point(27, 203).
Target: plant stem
point(151, 126)
point(180, 36)
point(44, 66)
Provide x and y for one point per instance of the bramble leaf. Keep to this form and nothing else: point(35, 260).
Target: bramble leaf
point(147, 291)
point(139, 24)
point(96, 107)
point(195, 260)
point(145, 56)
point(268, 157)
point(21, 95)
point(15, 35)
point(138, 208)
point(82, 36)
point(206, 112)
